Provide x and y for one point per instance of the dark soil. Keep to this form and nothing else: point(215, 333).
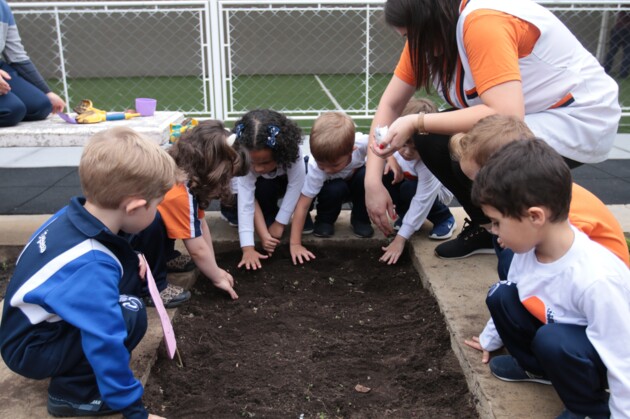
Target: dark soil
point(6, 271)
point(300, 339)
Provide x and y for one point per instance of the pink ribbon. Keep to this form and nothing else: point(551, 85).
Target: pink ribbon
point(167, 327)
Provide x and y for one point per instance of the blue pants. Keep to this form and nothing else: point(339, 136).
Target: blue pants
point(561, 352)
point(337, 191)
point(157, 248)
point(62, 359)
point(403, 192)
point(268, 192)
point(24, 102)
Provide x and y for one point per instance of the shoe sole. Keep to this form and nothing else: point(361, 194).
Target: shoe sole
point(230, 223)
point(487, 251)
point(322, 236)
point(65, 411)
point(524, 380)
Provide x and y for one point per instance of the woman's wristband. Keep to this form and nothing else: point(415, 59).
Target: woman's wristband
point(420, 124)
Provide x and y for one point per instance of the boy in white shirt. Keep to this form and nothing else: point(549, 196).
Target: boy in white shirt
point(335, 174)
point(562, 313)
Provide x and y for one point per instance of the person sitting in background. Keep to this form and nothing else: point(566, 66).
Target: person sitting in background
point(24, 95)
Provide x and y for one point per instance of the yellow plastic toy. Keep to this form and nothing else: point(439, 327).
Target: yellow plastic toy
point(176, 130)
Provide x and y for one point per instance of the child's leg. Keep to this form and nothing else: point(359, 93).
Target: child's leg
point(74, 378)
point(516, 326)
point(268, 191)
point(24, 101)
point(330, 199)
point(156, 246)
point(357, 189)
point(439, 212)
point(574, 367)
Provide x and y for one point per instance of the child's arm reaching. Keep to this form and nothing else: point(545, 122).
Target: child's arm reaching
point(393, 250)
point(475, 344)
point(393, 166)
point(202, 253)
point(300, 253)
point(269, 242)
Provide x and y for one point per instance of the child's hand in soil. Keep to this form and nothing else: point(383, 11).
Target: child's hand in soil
point(300, 254)
point(475, 344)
point(151, 416)
point(393, 250)
point(225, 282)
point(251, 258)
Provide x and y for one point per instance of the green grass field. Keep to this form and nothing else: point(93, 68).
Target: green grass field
point(303, 96)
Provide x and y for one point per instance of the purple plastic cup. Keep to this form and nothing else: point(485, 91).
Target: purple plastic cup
point(145, 106)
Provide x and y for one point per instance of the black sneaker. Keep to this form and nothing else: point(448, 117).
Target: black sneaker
point(63, 408)
point(505, 368)
point(321, 229)
point(472, 240)
point(362, 229)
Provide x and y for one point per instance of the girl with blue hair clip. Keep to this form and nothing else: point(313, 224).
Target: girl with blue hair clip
point(277, 169)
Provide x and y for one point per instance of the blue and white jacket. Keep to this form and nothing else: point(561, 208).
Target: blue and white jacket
point(72, 272)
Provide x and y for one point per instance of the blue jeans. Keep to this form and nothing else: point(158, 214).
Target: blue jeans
point(24, 102)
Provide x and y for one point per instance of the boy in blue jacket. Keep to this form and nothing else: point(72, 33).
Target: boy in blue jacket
point(70, 312)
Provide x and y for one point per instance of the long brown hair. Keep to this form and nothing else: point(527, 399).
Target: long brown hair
point(208, 161)
point(431, 32)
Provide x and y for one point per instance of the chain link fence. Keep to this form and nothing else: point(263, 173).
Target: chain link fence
point(220, 58)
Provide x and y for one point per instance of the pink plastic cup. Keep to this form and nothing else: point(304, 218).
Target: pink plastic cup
point(145, 106)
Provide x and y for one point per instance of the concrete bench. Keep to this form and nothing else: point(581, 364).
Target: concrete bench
point(54, 132)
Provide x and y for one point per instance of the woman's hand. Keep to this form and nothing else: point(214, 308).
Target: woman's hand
point(4, 86)
point(58, 104)
point(251, 258)
point(379, 205)
point(225, 282)
point(474, 343)
point(397, 135)
point(300, 254)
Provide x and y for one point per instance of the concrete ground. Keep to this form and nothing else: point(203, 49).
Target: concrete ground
point(458, 285)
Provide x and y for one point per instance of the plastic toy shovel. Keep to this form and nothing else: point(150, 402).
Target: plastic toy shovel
point(67, 118)
point(167, 327)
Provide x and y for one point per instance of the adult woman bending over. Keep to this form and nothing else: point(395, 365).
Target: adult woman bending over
point(486, 57)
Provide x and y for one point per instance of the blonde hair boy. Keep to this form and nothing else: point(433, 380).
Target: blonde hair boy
point(118, 163)
point(82, 281)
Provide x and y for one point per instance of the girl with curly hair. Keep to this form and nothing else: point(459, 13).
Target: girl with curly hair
point(277, 169)
point(207, 162)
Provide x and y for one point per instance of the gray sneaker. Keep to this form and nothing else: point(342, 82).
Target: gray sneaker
point(172, 296)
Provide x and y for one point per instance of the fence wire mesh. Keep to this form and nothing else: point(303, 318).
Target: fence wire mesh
point(220, 58)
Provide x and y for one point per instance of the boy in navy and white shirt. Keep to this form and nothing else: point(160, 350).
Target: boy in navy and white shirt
point(70, 312)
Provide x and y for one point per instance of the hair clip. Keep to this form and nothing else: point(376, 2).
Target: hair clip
point(238, 130)
point(272, 130)
point(230, 139)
